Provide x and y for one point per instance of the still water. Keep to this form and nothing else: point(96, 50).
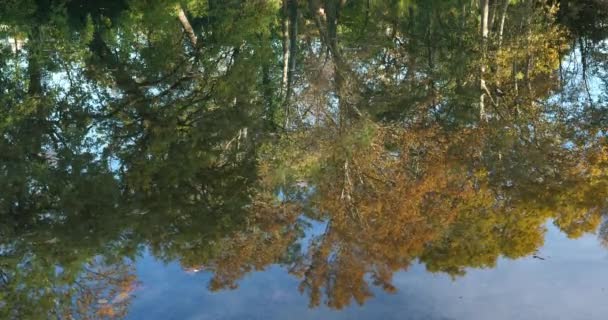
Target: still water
point(304, 159)
point(569, 284)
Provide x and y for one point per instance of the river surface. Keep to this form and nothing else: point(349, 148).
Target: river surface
point(304, 159)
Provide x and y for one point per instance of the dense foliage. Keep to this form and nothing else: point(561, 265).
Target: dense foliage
point(213, 131)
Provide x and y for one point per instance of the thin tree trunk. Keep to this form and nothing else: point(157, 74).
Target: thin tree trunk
point(268, 96)
point(503, 17)
point(529, 53)
point(411, 57)
point(35, 75)
point(183, 19)
point(293, 44)
point(484, 6)
point(332, 10)
point(431, 65)
point(33, 65)
point(464, 15)
point(285, 29)
point(292, 33)
point(492, 13)
point(585, 67)
point(38, 122)
point(501, 28)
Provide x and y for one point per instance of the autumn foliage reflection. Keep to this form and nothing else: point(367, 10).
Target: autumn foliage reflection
point(215, 133)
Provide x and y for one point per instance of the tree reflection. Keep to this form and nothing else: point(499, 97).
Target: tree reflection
point(210, 132)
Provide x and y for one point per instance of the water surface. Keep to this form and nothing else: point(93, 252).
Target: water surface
point(321, 159)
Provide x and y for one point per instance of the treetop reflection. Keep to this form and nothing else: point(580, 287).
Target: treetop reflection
point(212, 133)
